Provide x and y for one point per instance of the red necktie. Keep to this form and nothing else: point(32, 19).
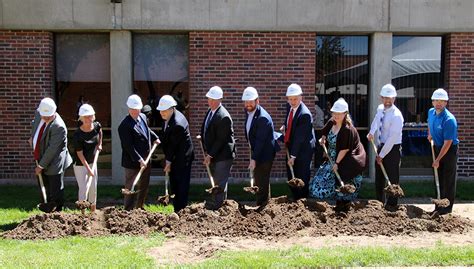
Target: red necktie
point(37, 146)
point(288, 127)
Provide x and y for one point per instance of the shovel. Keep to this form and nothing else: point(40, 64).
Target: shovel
point(137, 178)
point(392, 190)
point(45, 205)
point(86, 204)
point(294, 182)
point(345, 188)
point(252, 189)
point(165, 200)
point(214, 189)
point(442, 203)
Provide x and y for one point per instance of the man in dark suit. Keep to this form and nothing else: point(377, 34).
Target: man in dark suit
point(299, 138)
point(178, 148)
point(136, 139)
point(263, 146)
point(218, 139)
point(49, 142)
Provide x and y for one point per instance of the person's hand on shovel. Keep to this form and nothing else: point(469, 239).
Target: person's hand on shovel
point(335, 167)
point(38, 170)
point(142, 163)
point(252, 165)
point(98, 147)
point(291, 161)
point(167, 168)
point(207, 160)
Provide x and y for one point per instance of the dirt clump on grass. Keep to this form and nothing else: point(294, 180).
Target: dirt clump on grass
point(280, 218)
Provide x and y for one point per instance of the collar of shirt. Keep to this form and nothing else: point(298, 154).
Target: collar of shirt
point(214, 111)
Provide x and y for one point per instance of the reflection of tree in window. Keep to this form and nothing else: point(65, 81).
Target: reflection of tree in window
point(161, 67)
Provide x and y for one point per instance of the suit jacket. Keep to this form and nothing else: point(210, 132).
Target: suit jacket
point(218, 139)
point(302, 140)
point(260, 136)
point(54, 155)
point(355, 161)
point(136, 144)
point(176, 140)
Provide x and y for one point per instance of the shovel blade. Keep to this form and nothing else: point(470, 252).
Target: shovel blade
point(296, 183)
point(394, 190)
point(252, 190)
point(163, 200)
point(47, 207)
point(214, 190)
point(347, 189)
point(83, 204)
point(129, 192)
point(442, 203)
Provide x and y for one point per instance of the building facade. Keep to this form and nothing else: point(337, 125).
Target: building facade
point(102, 51)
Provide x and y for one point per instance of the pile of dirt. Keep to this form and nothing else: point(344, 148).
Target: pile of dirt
point(279, 219)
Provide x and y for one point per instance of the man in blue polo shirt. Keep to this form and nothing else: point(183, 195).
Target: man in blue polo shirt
point(443, 129)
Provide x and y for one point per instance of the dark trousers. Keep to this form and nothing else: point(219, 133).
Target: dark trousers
point(180, 177)
point(391, 162)
point(136, 200)
point(220, 172)
point(302, 169)
point(261, 174)
point(54, 189)
point(447, 172)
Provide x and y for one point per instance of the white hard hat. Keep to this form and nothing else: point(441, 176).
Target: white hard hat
point(215, 93)
point(134, 102)
point(166, 102)
point(340, 106)
point(294, 90)
point(440, 94)
point(47, 107)
point(388, 90)
point(86, 110)
point(250, 94)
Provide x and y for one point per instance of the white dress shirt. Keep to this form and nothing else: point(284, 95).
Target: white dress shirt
point(248, 124)
point(391, 129)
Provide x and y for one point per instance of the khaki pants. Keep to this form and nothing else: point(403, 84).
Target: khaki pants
point(81, 177)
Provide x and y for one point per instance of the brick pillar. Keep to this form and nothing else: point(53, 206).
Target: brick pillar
point(234, 60)
point(460, 86)
point(26, 76)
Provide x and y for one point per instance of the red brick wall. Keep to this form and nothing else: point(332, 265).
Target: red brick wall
point(234, 60)
point(460, 87)
point(26, 76)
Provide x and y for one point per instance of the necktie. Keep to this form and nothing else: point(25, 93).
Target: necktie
point(38, 140)
point(208, 120)
point(142, 126)
point(288, 127)
point(381, 127)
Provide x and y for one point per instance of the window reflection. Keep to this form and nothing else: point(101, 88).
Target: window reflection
point(83, 76)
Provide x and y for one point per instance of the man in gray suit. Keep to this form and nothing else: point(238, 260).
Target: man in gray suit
point(49, 142)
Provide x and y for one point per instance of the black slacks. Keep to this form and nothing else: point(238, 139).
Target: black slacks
point(391, 162)
point(54, 189)
point(180, 178)
point(261, 174)
point(447, 172)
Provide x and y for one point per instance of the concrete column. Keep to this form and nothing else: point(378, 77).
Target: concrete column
point(121, 65)
point(380, 74)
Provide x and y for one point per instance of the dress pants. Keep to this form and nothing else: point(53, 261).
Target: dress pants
point(261, 174)
point(391, 163)
point(447, 172)
point(220, 172)
point(136, 200)
point(180, 177)
point(54, 189)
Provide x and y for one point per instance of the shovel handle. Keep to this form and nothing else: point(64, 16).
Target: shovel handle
point(167, 179)
point(291, 166)
point(208, 169)
point(43, 189)
point(382, 167)
point(436, 176)
point(332, 165)
point(137, 178)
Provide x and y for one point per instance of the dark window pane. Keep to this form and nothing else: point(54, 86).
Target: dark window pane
point(83, 76)
point(342, 71)
point(161, 67)
point(416, 73)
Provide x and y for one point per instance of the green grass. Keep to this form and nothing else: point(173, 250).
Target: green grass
point(78, 252)
point(343, 256)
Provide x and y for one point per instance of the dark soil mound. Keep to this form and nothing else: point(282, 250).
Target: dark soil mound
point(280, 218)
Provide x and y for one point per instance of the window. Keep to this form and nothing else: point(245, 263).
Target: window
point(416, 73)
point(161, 67)
point(342, 70)
point(83, 76)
